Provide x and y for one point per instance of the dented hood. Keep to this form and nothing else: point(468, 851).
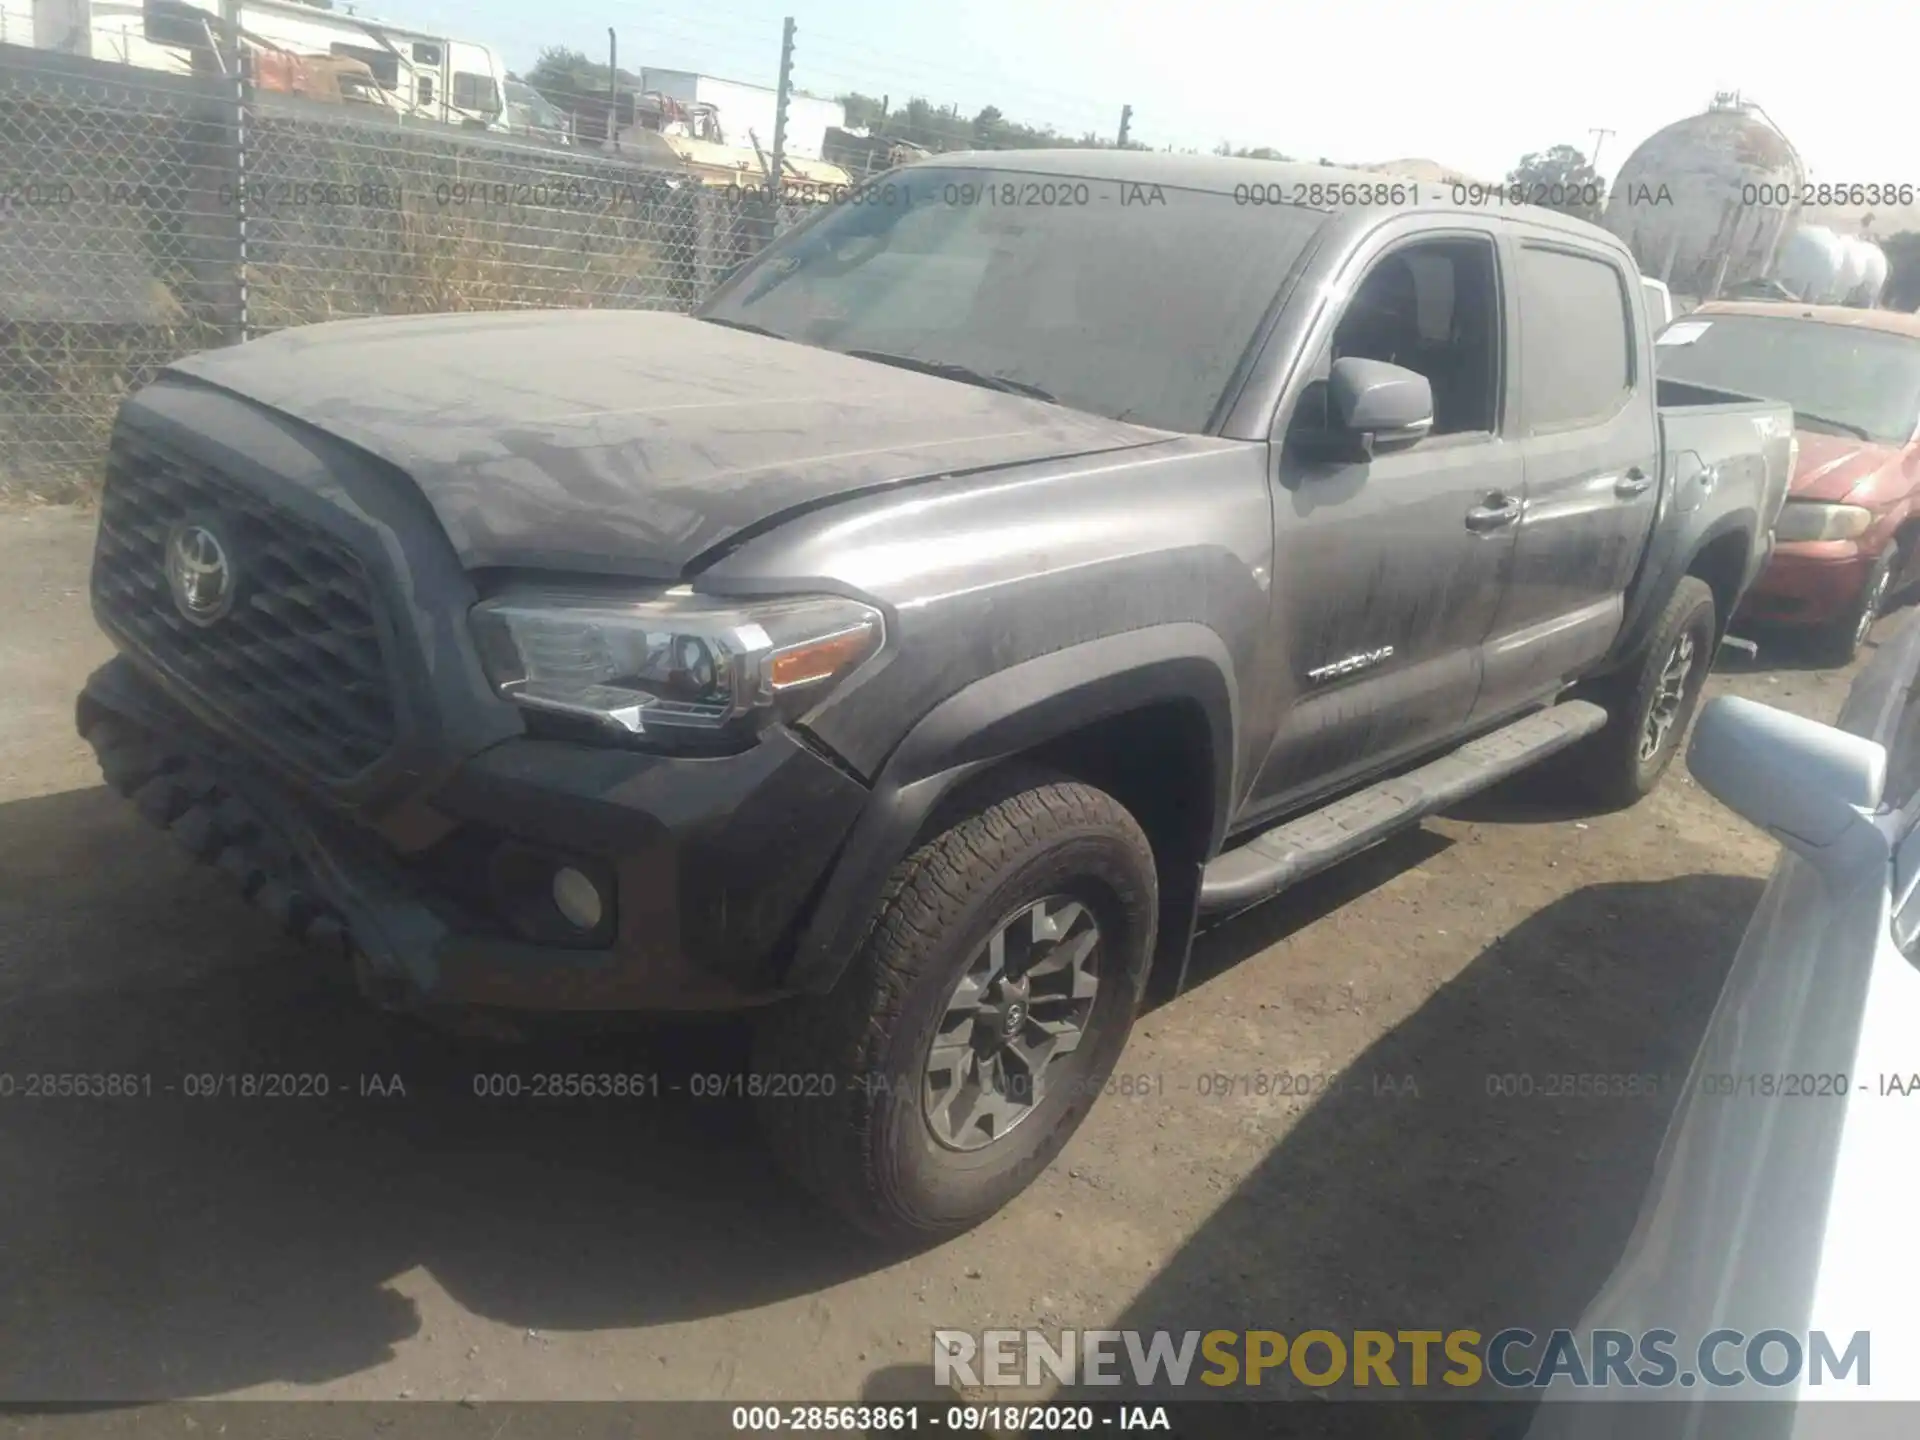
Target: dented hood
point(630, 442)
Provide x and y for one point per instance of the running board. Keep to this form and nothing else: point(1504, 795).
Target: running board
point(1276, 858)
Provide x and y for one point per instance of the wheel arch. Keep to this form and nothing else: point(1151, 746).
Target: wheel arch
point(1094, 711)
point(1720, 556)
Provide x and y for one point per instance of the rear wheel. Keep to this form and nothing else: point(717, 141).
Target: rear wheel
point(1840, 641)
point(1651, 703)
point(971, 1035)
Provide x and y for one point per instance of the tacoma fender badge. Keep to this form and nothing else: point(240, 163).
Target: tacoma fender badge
point(1366, 659)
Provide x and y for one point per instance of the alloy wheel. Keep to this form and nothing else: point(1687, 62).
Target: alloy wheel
point(1669, 696)
point(1019, 1010)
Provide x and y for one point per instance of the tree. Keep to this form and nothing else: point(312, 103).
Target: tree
point(567, 76)
point(1560, 179)
point(944, 127)
point(1258, 152)
point(1902, 290)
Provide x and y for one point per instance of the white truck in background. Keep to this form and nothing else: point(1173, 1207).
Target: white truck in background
point(747, 111)
point(417, 74)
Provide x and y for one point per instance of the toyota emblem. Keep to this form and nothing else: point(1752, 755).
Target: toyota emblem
point(199, 572)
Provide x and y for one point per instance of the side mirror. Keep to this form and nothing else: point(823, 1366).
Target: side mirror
point(1371, 408)
point(1804, 783)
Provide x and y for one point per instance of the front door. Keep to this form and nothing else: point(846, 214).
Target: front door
point(1388, 572)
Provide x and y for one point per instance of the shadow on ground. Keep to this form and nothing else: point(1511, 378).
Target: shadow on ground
point(1440, 1186)
point(165, 1245)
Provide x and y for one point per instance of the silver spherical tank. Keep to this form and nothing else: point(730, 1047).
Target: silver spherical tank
point(1810, 263)
point(1853, 269)
point(1873, 275)
point(1706, 202)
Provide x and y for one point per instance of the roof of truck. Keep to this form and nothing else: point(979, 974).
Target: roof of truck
point(1283, 183)
point(1219, 173)
point(1894, 322)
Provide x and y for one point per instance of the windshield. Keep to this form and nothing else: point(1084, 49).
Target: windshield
point(1125, 300)
point(529, 100)
point(1841, 378)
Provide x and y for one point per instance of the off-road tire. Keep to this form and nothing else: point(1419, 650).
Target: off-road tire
point(841, 1075)
point(1838, 642)
point(1608, 767)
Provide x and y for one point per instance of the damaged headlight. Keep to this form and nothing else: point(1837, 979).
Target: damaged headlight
point(677, 669)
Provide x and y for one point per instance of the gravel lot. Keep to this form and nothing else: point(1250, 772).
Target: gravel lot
point(436, 1245)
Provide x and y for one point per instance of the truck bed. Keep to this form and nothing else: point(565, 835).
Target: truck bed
point(1671, 394)
point(1723, 456)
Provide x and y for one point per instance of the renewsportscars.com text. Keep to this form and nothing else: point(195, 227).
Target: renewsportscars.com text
point(1514, 1359)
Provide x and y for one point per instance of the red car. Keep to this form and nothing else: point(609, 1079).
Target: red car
point(1848, 539)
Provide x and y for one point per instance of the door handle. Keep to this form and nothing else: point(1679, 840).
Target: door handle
point(1634, 482)
point(1496, 511)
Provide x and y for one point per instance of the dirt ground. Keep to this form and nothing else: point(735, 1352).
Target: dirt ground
point(437, 1245)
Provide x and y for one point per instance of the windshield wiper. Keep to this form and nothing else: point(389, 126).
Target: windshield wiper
point(746, 325)
point(949, 371)
point(1841, 425)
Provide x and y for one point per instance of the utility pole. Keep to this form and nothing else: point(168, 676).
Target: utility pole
point(780, 104)
point(236, 57)
point(1599, 139)
point(613, 88)
point(1126, 124)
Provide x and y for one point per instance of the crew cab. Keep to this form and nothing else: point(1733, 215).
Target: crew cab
point(1010, 566)
point(1848, 541)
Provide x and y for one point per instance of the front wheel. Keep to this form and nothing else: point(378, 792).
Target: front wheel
point(1651, 703)
point(971, 1035)
point(1840, 641)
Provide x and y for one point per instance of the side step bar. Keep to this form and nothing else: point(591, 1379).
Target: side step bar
point(1276, 858)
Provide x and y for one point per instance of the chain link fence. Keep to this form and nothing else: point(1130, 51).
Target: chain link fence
point(145, 215)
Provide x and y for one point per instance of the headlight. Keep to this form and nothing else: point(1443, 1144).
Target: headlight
point(1805, 520)
point(678, 669)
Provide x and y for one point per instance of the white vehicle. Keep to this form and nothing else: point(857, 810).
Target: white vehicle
point(747, 111)
point(422, 75)
point(1783, 1195)
point(531, 113)
point(1659, 302)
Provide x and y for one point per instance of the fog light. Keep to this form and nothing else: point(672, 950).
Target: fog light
point(577, 898)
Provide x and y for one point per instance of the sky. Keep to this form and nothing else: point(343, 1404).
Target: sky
point(1472, 84)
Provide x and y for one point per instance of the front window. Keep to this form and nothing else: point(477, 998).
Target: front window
point(1841, 379)
point(1134, 301)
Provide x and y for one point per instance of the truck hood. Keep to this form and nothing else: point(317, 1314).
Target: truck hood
point(631, 442)
point(1832, 467)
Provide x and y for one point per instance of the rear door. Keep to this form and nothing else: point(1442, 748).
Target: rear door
point(1588, 435)
point(1388, 573)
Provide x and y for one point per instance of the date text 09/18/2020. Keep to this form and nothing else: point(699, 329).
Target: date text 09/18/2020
point(958, 1420)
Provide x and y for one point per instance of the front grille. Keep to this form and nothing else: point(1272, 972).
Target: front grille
point(296, 662)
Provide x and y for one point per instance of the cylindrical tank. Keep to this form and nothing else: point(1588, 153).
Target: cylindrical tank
point(1705, 202)
point(1853, 269)
point(1810, 263)
point(1873, 275)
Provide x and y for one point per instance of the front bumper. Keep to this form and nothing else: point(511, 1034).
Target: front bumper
point(1809, 582)
point(710, 864)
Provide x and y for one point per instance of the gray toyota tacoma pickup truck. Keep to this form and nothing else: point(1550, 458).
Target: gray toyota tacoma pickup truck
point(1008, 568)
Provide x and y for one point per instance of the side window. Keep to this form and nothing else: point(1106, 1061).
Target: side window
point(1434, 308)
point(1576, 338)
point(384, 63)
point(426, 90)
point(475, 92)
